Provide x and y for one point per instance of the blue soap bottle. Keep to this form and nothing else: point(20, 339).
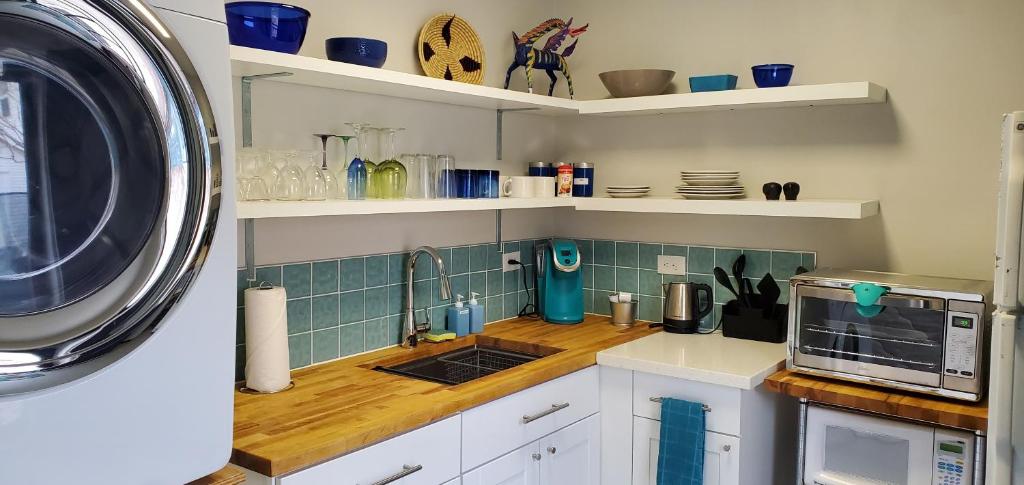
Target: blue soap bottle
point(458, 318)
point(476, 314)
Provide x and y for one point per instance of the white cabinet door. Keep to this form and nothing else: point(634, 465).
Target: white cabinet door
point(721, 455)
point(572, 455)
point(519, 467)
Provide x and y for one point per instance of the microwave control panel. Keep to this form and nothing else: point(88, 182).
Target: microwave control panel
point(954, 458)
point(962, 333)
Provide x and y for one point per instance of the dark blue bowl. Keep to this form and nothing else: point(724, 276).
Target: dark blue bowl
point(264, 25)
point(772, 75)
point(357, 50)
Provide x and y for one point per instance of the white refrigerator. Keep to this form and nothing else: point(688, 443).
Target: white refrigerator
point(1005, 450)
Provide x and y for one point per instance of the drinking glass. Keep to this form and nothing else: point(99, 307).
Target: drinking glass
point(251, 184)
point(444, 170)
point(391, 175)
point(486, 182)
point(316, 181)
point(356, 174)
point(464, 184)
point(291, 181)
point(427, 185)
point(414, 189)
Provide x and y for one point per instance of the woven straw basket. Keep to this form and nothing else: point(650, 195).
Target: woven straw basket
point(450, 49)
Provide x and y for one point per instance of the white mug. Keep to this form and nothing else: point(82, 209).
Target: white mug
point(518, 187)
point(543, 187)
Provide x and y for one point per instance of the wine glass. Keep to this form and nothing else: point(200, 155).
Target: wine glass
point(251, 184)
point(291, 182)
point(391, 175)
point(356, 173)
point(315, 182)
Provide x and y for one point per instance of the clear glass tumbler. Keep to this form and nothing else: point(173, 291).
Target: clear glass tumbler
point(445, 180)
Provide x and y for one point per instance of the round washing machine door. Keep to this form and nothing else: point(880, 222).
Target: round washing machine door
point(109, 184)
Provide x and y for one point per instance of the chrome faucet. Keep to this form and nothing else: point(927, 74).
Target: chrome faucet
point(410, 329)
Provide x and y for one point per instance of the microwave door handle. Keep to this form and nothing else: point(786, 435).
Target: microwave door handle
point(829, 478)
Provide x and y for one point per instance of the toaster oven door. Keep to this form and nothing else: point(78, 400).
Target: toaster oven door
point(900, 339)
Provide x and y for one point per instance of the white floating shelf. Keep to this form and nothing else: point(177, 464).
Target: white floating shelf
point(825, 209)
point(311, 71)
point(263, 210)
point(814, 208)
point(808, 95)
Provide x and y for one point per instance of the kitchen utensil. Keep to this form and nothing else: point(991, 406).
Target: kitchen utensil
point(265, 25)
point(357, 50)
point(624, 313)
point(748, 290)
point(701, 182)
point(518, 187)
point(636, 82)
point(629, 187)
point(717, 82)
point(723, 279)
point(772, 190)
point(791, 189)
point(772, 75)
point(684, 307)
point(737, 272)
point(770, 293)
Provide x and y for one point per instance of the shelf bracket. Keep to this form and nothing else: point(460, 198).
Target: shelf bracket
point(247, 103)
point(498, 135)
point(250, 224)
point(497, 229)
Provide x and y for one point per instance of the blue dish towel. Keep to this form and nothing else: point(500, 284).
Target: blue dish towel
point(681, 450)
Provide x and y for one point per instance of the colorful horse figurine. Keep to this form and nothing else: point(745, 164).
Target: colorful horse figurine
point(545, 59)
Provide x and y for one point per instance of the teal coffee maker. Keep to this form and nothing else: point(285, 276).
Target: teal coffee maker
point(559, 281)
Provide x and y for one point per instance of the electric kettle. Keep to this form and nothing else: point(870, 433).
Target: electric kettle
point(684, 307)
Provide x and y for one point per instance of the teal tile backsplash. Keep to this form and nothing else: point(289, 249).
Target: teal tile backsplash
point(340, 307)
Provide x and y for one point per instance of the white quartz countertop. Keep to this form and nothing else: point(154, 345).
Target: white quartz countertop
point(712, 358)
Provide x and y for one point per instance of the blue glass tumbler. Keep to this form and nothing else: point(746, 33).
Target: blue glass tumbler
point(464, 183)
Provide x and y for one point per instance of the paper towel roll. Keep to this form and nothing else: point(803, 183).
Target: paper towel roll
point(266, 340)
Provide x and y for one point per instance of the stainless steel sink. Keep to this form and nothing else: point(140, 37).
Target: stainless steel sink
point(461, 365)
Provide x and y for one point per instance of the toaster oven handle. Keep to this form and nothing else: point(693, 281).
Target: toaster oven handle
point(892, 300)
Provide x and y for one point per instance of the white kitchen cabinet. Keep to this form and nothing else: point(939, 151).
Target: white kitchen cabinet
point(519, 467)
point(426, 456)
point(721, 455)
point(760, 422)
point(570, 456)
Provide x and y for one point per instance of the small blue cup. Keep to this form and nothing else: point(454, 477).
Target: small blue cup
point(357, 50)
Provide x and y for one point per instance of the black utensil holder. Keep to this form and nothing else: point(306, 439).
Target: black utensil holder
point(749, 323)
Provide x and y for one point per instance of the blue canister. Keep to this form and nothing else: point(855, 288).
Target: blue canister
point(464, 184)
point(582, 179)
point(539, 169)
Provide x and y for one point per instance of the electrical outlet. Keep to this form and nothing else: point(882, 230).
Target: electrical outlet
point(505, 258)
point(674, 265)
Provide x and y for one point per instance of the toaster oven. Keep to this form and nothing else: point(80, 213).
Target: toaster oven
point(918, 333)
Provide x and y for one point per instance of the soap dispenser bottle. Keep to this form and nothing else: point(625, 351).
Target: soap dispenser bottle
point(458, 318)
point(476, 314)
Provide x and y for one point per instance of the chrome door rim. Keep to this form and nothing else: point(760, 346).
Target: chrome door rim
point(132, 36)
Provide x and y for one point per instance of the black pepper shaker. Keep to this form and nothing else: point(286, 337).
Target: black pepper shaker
point(772, 190)
point(791, 189)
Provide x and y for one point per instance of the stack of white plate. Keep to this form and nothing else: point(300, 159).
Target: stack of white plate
point(710, 184)
point(628, 191)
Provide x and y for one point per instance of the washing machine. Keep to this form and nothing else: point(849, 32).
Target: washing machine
point(117, 242)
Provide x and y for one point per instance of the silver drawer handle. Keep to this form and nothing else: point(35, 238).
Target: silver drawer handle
point(553, 409)
point(406, 471)
point(707, 409)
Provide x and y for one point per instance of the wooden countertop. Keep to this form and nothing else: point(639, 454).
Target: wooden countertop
point(228, 475)
point(920, 407)
point(341, 406)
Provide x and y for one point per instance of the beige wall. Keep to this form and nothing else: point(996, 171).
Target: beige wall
point(931, 155)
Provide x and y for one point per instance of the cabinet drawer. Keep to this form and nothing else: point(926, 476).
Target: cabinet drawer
point(435, 448)
point(724, 416)
point(496, 428)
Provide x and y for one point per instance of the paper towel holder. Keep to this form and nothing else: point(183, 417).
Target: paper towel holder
point(246, 390)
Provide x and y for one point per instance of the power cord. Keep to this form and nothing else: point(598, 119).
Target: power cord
point(529, 309)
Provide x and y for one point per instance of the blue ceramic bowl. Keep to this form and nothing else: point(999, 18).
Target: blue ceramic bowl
point(357, 50)
point(772, 75)
point(264, 25)
point(718, 82)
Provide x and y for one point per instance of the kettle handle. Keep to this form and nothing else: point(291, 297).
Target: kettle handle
point(710, 300)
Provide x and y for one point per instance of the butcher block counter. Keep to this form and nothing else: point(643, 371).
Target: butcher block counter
point(918, 407)
point(342, 406)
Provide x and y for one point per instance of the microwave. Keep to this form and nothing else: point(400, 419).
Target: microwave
point(917, 333)
point(850, 448)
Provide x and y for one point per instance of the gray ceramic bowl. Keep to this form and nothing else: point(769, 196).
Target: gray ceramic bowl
point(637, 82)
